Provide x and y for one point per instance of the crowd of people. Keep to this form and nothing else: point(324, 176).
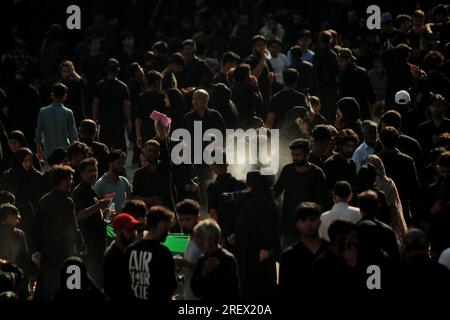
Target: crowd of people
point(364, 177)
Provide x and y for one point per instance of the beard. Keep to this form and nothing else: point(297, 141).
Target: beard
point(126, 241)
point(119, 172)
point(299, 163)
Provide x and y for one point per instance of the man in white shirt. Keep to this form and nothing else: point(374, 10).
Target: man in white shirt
point(189, 213)
point(367, 148)
point(277, 59)
point(342, 195)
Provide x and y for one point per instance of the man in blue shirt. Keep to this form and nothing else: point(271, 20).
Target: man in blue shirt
point(365, 149)
point(56, 125)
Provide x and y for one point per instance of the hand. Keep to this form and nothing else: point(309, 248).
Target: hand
point(139, 142)
point(103, 204)
point(271, 77)
point(263, 255)
point(415, 71)
point(210, 265)
point(439, 206)
point(36, 258)
point(253, 81)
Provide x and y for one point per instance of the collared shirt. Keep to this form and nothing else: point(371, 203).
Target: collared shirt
point(340, 211)
point(122, 188)
point(55, 128)
point(361, 153)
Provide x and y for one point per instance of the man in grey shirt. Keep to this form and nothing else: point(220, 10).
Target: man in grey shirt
point(56, 125)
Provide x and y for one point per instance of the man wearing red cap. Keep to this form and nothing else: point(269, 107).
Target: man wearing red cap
point(125, 228)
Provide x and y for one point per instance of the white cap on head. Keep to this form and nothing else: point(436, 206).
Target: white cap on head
point(402, 97)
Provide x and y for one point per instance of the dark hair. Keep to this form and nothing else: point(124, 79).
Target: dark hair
point(368, 202)
point(440, 9)
point(189, 42)
point(126, 34)
point(158, 214)
point(389, 137)
point(392, 118)
point(241, 72)
point(402, 18)
point(148, 56)
point(340, 229)
point(436, 98)
point(188, 207)
point(151, 142)
point(342, 189)
point(136, 208)
point(307, 209)
point(7, 197)
point(432, 60)
point(230, 57)
point(290, 77)
point(176, 98)
point(88, 162)
point(350, 110)
point(274, 40)
point(161, 46)
point(256, 39)
point(59, 173)
point(296, 52)
point(59, 90)
point(300, 144)
point(415, 240)
point(435, 153)
point(325, 37)
point(402, 50)
point(76, 148)
point(153, 78)
point(346, 135)
point(418, 14)
point(6, 210)
point(116, 155)
point(178, 59)
point(88, 126)
point(444, 159)
point(112, 66)
point(321, 132)
point(19, 136)
point(365, 179)
point(56, 157)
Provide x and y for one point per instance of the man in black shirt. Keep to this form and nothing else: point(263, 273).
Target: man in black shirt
point(128, 54)
point(150, 100)
point(196, 71)
point(340, 166)
point(354, 82)
point(56, 212)
point(229, 62)
point(261, 69)
point(300, 181)
point(116, 288)
point(297, 261)
point(150, 265)
point(174, 68)
point(307, 78)
point(111, 108)
point(323, 138)
point(76, 93)
point(87, 133)
point(326, 71)
point(285, 100)
point(89, 211)
point(216, 276)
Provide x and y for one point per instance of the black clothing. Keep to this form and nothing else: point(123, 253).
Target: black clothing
point(248, 101)
point(337, 168)
point(76, 96)
point(115, 288)
point(196, 73)
point(100, 152)
point(149, 101)
point(428, 132)
point(284, 101)
point(307, 78)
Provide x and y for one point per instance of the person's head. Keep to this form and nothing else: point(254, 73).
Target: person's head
point(403, 99)
point(348, 110)
point(151, 151)
point(402, 51)
point(200, 100)
point(136, 72)
point(404, 22)
point(189, 48)
point(322, 136)
point(66, 70)
point(207, 235)
point(138, 210)
point(342, 192)
point(16, 140)
point(443, 167)
point(94, 44)
point(365, 178)
point(415, 242)
point(89, 170)
point(436, 105)
point(391, 118)
point(241, 73)
point(308, 219)
point(87, 130)
point(23, 159)
point(149, 60)
point(112, 67)
point(189, 213)
point(77, 152)
point(230, 60)
point(7, 197)
point(432, 61)
point(125, 226)
point(298, 118)
point(389, 137)
point(305, 39)
point(160, 48)
point(259, 45)
point(440, 13)
point(300, 149)
point(315, 103)
point(369, 132)
point(386, 22)
point(290, 77)
point(243, 20)
point(275, 46)
point(418, 19)
point(9, 215)
point(61, 177)
point(59, 92)
point(340, 232)
point(368, 203)
point(325, 38)
point(127, 39)
point(345, 58)
point(177, 62)
point(116, 162)
point(159, 221)
point(154, 79)
point(347, 141)
point(173, 98)
point(296, 54)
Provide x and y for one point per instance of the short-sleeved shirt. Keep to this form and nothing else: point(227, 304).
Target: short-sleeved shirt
point(111, 93)
point(284, 101)
point(122, 188)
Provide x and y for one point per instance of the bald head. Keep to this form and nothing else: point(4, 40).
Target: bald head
point(200, 100)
